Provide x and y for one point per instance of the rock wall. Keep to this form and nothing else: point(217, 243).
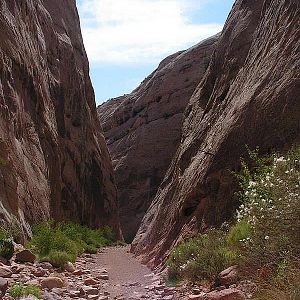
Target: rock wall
point(53, 156)
point(249, 95)
point(143, 129)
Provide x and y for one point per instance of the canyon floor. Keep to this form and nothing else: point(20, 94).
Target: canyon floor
point(112, 273)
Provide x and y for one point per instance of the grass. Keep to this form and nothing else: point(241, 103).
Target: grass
point(63, 242)
point(19, 290)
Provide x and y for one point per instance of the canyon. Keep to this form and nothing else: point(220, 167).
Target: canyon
point(248, 96)
point(160, 168)
point(143, 129)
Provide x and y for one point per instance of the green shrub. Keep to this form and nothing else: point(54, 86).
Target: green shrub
point(91, 249)
point(203, 257)
point(3, 234)
point(6, 245)
point(59, 243)
point(19, 290)
point(7, 249)
point(60, 258)
point(239, 233)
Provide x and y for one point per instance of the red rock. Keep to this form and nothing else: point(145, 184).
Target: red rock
point(90, 281)
point(229, 276)
point(247, 96)
point(143, 129)
point(54, 159)
point(3, 285)
point(52, 282)
point(5, 272)
point(228, 294)
point(25, 256)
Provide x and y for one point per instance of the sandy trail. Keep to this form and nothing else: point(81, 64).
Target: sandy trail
point(128, 278)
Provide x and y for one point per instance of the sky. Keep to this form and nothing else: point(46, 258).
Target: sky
point(126, 39)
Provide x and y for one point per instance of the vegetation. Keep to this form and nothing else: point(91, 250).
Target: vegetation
point(63, 242)
point(19, 290)
point(203, 257)
point(265, 237)
point(6, 245)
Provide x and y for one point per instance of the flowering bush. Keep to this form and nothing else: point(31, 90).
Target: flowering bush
point(265, 238)
point(271, 207)
point(270, 196)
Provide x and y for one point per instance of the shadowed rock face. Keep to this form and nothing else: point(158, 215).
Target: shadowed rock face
point(143, 129)
point(54, 160)
point(249, 95)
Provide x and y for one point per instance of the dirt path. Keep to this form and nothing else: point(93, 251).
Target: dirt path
point(127, 277)
point(111, 274)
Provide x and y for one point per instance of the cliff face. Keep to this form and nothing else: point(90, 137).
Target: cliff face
point(143, 129)
point(54, 160)
point(249, 95)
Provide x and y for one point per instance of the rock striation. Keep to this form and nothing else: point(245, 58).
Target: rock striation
point(54, 159)
point(249, 95)
point(143, 129)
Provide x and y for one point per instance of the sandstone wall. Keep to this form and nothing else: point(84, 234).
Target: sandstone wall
point(54, 159)
point(143, 129)
point(250, 95)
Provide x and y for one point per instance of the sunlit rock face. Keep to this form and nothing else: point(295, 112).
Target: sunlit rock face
point(54, 159)
point(249, 95)
point(143, 129)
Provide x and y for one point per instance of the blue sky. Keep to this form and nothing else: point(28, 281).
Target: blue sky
point(126, 39)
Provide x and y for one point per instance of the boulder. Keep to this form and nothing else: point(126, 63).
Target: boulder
point(24, 256)
point(69, 267)
point(5, 272)
point(226, 294)
point(3, 285)
point(229, 276)
point(52, 282)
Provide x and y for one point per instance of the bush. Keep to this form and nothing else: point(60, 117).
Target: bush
point(63, 242)
point(19, 290)
point(203, 257)
point(7, 249)
point(271, 208)
point(270, 196)
point(59, 258)
point(6, 245)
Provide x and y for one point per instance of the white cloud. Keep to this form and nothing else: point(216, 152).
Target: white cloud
point(139, 31)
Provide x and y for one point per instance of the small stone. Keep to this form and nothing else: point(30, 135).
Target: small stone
point(39, 272)
point(52, 282)
point(5, 272)
point(103, 277)
point(3, 285)
point(78, 272)
point(45, 265)
point(25, 256)
point(229, 276)
point(69, 267)
point(91, 291)
point(90, 281)
point(227, 294)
